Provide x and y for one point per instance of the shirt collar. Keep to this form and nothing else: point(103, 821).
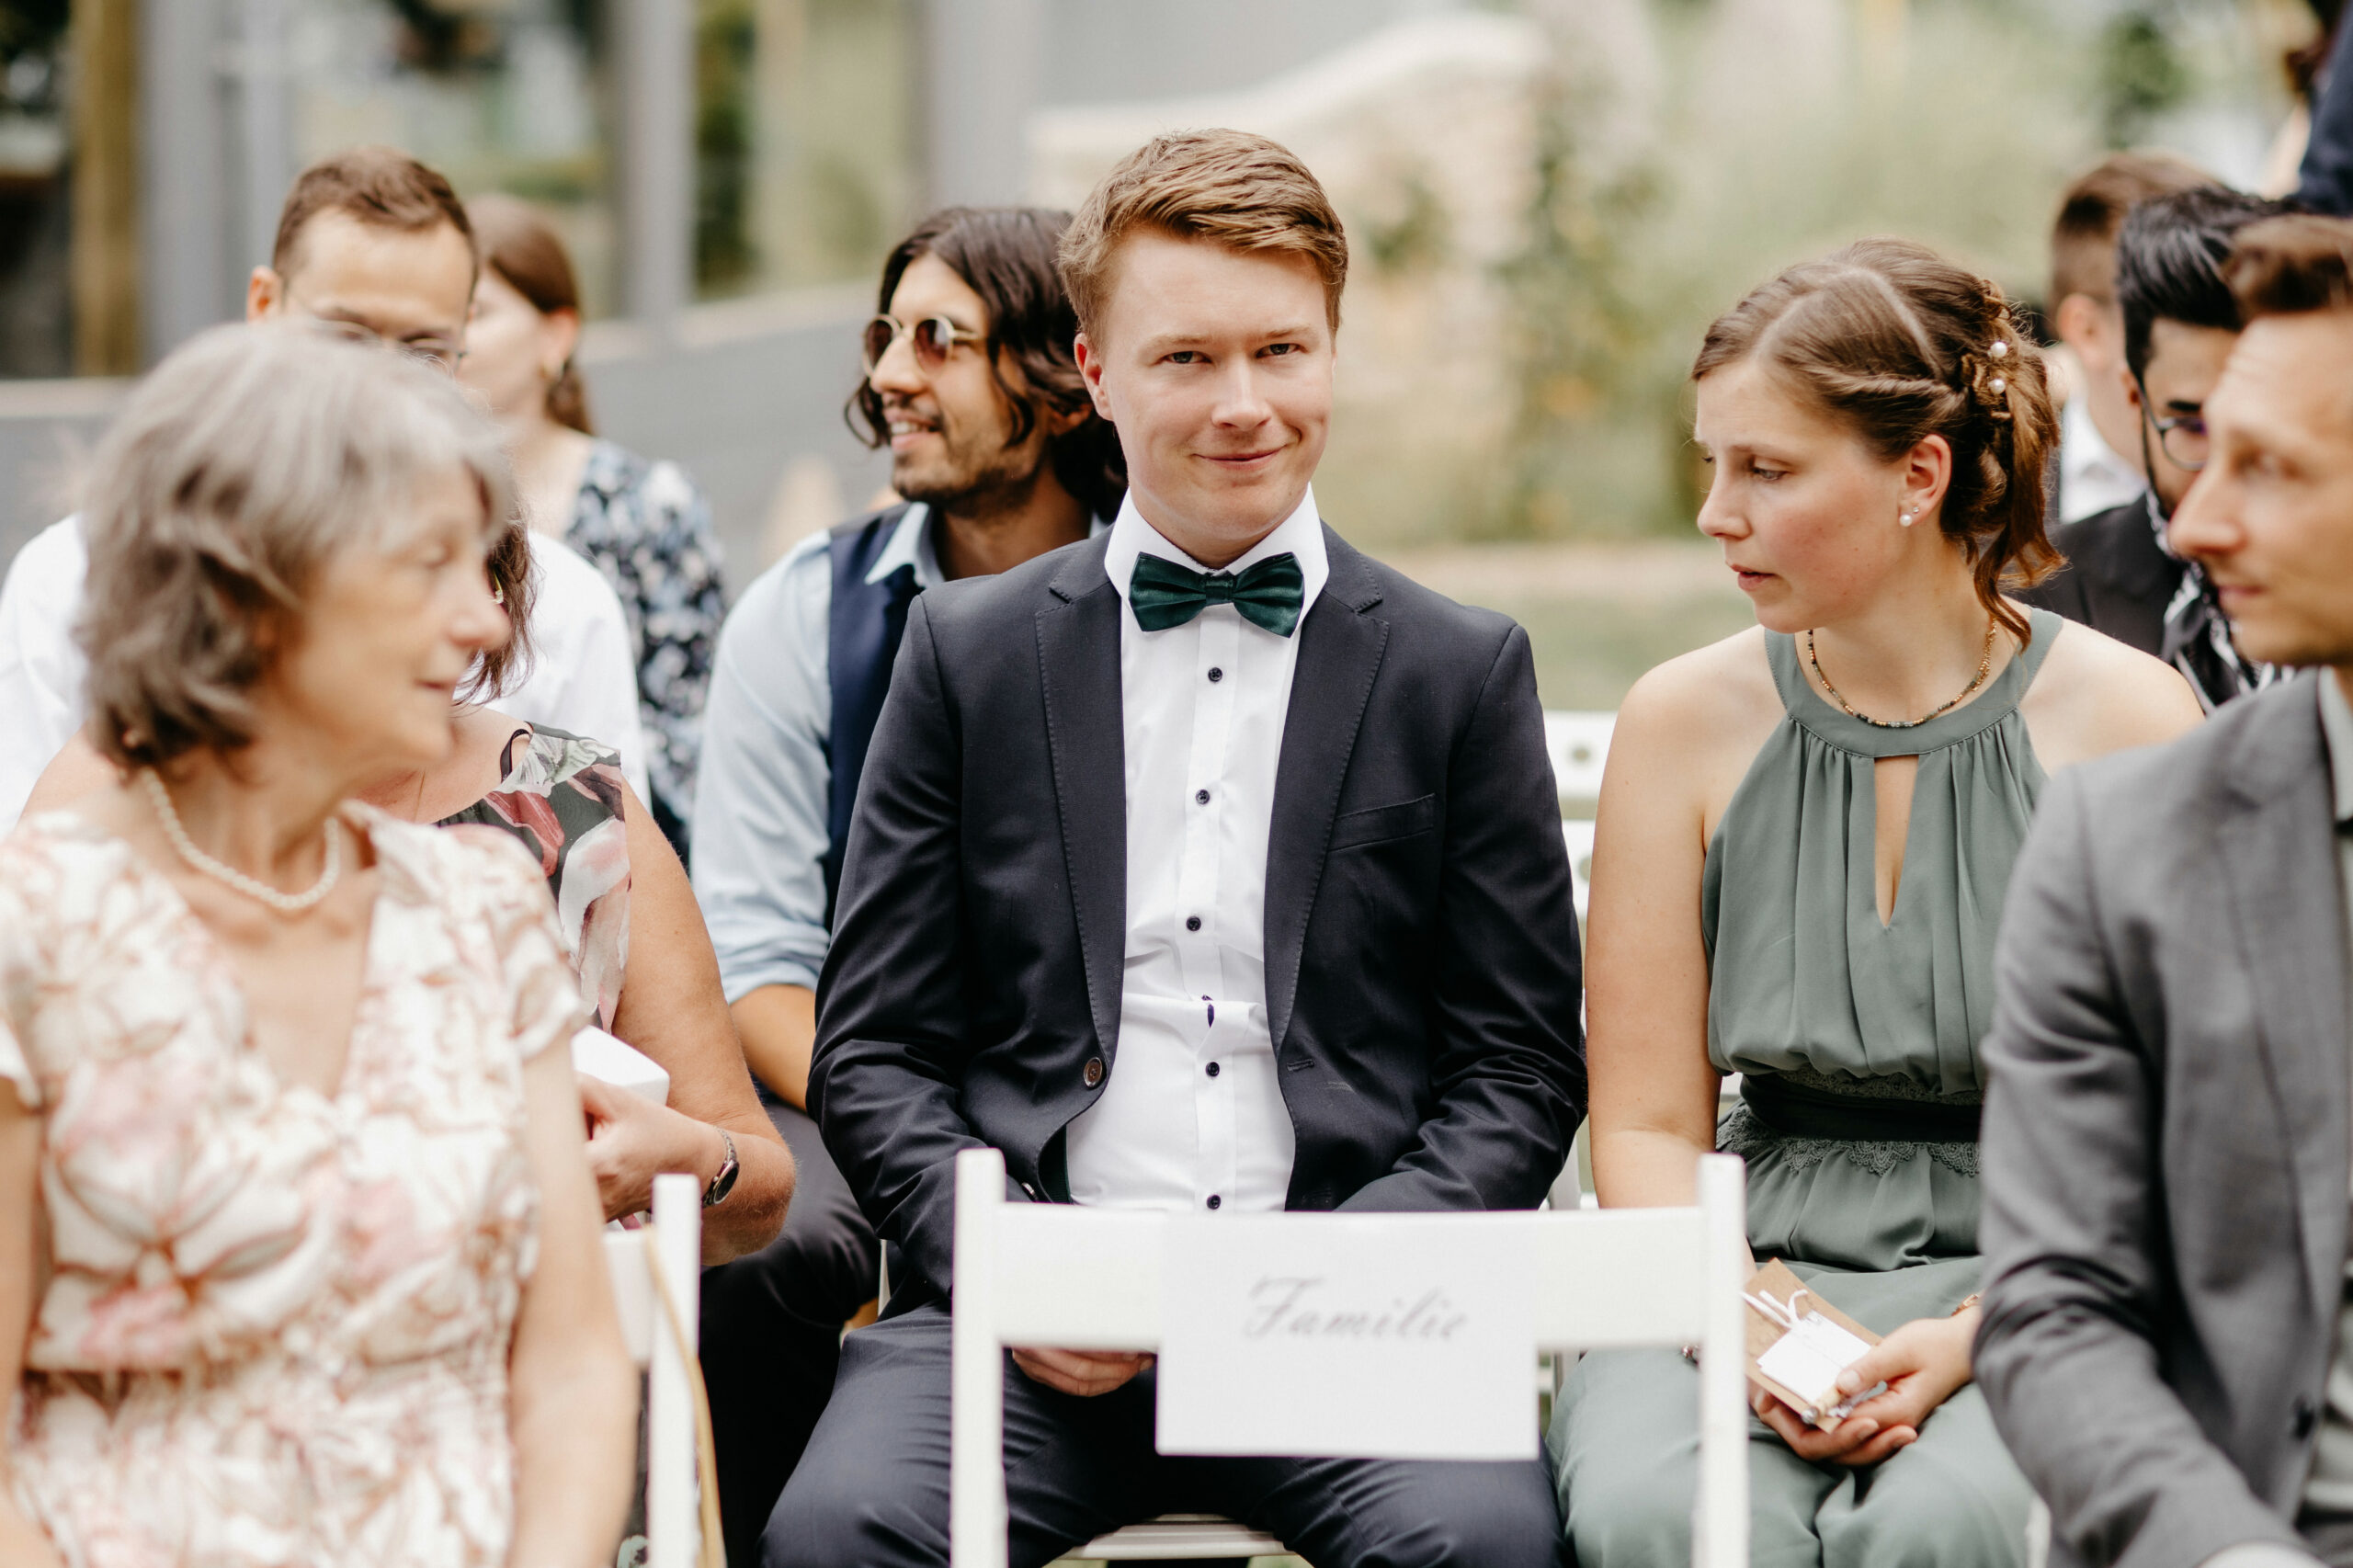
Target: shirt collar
point(2085, 453)
point(1300, 535)
point(2336, 724)
point(911, 545)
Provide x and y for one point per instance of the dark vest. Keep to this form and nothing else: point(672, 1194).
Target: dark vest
point(862, 642)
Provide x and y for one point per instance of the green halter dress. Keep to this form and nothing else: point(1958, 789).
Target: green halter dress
point(1857, 1042)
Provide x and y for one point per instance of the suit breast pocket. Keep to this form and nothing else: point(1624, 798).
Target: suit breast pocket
point(1380, 825)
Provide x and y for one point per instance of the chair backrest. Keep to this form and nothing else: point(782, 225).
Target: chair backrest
point(673, 1246)
point(1578, 743)
point(1578, 831)
point(1090, 1279)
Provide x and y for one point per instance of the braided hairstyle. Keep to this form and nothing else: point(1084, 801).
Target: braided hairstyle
point(1902, 344)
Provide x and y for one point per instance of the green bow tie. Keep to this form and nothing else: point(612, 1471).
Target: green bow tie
point(1164, 594)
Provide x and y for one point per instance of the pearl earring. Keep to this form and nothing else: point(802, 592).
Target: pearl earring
point(1906, 518)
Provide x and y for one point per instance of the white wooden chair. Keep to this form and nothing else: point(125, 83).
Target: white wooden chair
point(1578, 831)
point(677, 1443)
point(1578, 743)
point(1090, 1279)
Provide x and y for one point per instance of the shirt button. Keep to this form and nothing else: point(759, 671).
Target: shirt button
point(1216, 674)
point(1093, 1074)
point(1215, 1200)
point(1201, 797)
point(1213, 1069)
point(1193, 923)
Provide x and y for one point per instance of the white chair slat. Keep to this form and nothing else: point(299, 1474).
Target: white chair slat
point(1660, 1247)
point(672, 1243)
point(1579, 744)
point(1077, 1279)
point(1578, 832)
point(1177, 1536)
point(1056, 1274)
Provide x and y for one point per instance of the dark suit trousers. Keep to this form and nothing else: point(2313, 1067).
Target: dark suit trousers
point(771, 1333)
point(873, 1490)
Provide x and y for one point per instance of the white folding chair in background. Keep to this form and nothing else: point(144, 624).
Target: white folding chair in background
point(681, 1491)
point(1090, 1279)
point(1578, 743)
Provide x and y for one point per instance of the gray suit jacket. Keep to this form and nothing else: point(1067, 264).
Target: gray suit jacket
point(2165, 1140)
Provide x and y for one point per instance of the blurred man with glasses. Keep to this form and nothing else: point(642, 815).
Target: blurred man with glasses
point(371, 244)
point(997, 456)
point(2123, 577)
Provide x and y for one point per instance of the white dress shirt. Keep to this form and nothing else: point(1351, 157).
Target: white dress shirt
point(1192, 1117)
point(2092, 476)
point(582, 680)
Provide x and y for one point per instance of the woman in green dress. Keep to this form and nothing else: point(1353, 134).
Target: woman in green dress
point(1804, 838)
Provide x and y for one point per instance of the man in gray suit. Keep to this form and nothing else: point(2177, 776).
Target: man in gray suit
point(2168, 1340)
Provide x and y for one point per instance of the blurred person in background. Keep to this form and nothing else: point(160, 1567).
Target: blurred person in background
point(303, 1262)
point(370, 245)
point(2168, 1342)
point(2120, 575)
point(2325, 182)
point(643, 523)
point(1799, 881)
point(999, 456)
point(2096, 425)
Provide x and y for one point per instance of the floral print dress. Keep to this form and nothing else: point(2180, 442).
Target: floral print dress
point(649, 532)
point(560, 796)
point(272, 1325)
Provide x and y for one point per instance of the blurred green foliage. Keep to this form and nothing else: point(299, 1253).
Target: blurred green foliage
point(1756, 135)
point(2141, 75)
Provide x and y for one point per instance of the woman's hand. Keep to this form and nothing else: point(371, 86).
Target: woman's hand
point(632, 1141)
point(1922, 1364)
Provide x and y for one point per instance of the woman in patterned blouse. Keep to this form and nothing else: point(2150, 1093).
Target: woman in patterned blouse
point(644, 523)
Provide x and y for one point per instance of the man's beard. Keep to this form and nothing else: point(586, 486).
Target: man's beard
point(969, 481)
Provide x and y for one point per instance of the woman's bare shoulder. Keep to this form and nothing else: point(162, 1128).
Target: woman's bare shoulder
point(2095, 695)
point(1700, 694)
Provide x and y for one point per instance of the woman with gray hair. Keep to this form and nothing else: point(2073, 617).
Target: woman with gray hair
point(296, 1234)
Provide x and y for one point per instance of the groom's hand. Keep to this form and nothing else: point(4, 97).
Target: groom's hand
point(1083, 1372)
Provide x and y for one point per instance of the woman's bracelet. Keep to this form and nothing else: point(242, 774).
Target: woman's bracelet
point(1968, 1302)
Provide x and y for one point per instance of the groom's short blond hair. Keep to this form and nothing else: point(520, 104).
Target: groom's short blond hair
point(1229, 187)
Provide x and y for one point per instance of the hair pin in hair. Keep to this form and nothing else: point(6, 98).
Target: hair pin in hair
point(2000, 348)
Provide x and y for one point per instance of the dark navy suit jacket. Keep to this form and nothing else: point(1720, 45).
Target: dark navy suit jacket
point(1421, 949)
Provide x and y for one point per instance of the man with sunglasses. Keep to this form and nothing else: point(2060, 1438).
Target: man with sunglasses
point(997, 456)
point(2123, 577)
point(372, 246)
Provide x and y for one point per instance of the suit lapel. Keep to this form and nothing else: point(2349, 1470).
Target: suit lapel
point(1078, 669)
point(2279, 859)
point(1340, 651)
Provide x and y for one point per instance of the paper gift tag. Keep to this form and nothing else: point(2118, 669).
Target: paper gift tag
point(1372, 1336)
point(1797, 1349)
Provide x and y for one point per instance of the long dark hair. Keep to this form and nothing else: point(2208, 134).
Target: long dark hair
point(1008, 255)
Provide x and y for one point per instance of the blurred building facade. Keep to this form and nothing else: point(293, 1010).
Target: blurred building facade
point(727, 172)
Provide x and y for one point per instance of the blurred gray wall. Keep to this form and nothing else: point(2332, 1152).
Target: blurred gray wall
point(748, 396)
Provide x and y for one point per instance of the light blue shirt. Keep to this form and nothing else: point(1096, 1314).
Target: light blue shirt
point(760, 801)
point(767, 774)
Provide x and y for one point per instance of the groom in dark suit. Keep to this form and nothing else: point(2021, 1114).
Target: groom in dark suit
point(1205, 866)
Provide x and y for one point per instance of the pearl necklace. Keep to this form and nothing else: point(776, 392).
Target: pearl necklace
point(252, 887)
point(1985, 665)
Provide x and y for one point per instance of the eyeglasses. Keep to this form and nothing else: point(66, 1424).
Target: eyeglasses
point(434, 353)
point(933, 339)
point(2183, 437)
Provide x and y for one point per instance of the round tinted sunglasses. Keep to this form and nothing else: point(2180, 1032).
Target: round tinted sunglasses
point(932, 339)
